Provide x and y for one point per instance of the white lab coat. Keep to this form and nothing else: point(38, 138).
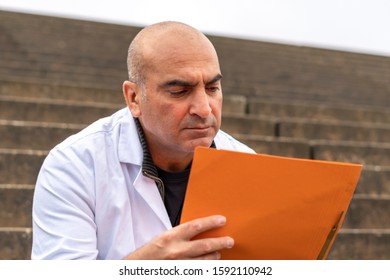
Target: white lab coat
point(91, 200)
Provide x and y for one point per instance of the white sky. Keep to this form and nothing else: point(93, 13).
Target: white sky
point(352, 25)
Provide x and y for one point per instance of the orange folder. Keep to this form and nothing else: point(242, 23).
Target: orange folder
point(276, 207)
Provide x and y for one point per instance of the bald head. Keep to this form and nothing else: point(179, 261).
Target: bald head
point(161, 42)
point(174, 91)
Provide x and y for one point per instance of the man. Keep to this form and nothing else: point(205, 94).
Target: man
point(115, 190)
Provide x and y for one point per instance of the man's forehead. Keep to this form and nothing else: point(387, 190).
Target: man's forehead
point(173, 45)
point(183, 63)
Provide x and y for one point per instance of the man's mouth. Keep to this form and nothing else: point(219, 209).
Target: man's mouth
point(199, 128)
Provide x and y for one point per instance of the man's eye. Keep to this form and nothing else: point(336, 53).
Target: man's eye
point(178, 93)
point(213, 89)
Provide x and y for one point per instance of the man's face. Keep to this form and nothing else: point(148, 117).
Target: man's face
point(182, 99)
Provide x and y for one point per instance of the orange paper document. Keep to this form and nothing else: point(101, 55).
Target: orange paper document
point(276, 207)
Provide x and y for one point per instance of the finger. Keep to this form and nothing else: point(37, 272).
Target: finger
point(203, 247)
point(192, 228)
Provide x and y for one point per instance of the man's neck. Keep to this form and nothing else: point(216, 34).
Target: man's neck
point(172, 163)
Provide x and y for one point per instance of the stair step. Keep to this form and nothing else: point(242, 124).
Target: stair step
point(20, 166)
point(60, 71)
point(374, 180)
point(60, 112)
point(15, 243)
point(287, 147)
point(234, 104)
point(305, 129)
point(319, 112)
point(88, 34)
point(57, 92)
point(363, 153)
point(361, 245)
point(16, 205)
point(335, 130)
point(243, 124)
point(368, 212)
point(34, 135)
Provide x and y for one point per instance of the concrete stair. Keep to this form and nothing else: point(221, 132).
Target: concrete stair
point(52, 88)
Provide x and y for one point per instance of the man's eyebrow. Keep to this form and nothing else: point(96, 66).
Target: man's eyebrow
point(176, 82)
point(182, 83)
point(217, 78)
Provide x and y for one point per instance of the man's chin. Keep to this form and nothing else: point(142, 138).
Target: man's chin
point(200, 142)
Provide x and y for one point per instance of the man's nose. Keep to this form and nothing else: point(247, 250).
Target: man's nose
point(200, 104)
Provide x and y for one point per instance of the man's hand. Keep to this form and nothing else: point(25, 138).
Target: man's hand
point(177, 244)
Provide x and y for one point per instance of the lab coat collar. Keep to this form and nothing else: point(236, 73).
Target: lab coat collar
point(129, 145)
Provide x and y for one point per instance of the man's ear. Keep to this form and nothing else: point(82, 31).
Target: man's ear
point(132, 94)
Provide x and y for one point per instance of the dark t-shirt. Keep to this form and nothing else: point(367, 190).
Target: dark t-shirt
point(175, 185)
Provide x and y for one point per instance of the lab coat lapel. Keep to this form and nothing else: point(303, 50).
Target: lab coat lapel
point(148, 190)
point(130, 152)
